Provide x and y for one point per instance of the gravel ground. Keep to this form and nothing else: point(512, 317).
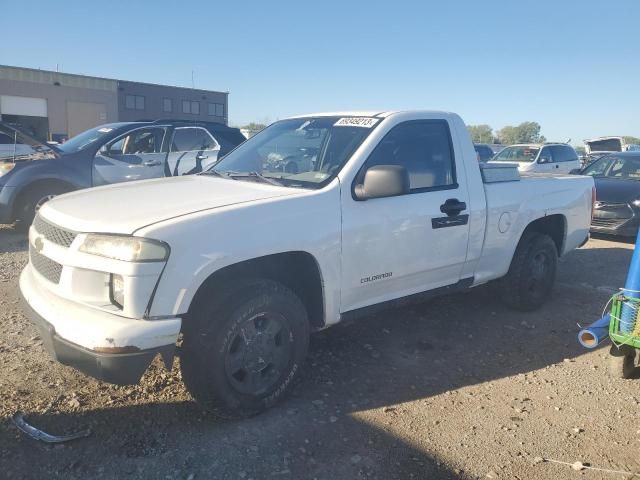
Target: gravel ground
point(459, 387)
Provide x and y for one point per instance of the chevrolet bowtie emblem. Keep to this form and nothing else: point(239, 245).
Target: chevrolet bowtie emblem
point(38, 244)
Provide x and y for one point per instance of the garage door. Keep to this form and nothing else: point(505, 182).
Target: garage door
point(82, 116)
point(27, 106)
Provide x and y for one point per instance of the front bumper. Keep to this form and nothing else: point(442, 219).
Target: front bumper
point(128, 345)
point(614, 225)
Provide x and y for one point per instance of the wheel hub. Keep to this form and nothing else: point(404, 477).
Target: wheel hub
point(257, 353)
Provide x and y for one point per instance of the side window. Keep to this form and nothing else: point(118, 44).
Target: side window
point(546, 156)
point(192, 139)
point(144, 140)
point(568, 154)
point(424, 148)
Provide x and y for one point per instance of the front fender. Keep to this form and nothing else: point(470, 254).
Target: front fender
point(206, 242)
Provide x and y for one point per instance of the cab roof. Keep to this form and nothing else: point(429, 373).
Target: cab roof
point(368, 113)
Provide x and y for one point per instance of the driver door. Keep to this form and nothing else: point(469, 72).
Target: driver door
point(136, 155)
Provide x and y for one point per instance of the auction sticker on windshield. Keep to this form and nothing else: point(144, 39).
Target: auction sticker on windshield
point(356, 122)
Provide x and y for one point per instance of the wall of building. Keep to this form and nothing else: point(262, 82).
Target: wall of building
point(59, 89)
point(156, 97)
point(75, 103)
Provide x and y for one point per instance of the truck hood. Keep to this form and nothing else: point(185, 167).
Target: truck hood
point(19, 146)
point(126, 207)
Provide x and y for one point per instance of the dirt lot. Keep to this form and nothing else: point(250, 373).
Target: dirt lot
point(456, 388)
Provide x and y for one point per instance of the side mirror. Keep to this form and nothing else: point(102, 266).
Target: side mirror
point(383, 181)
point(575, 171)
point(544, 160)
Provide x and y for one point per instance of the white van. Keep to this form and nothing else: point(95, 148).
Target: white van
point(540, 158)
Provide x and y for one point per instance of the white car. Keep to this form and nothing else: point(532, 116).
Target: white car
point(244, 262)
point(540, 158)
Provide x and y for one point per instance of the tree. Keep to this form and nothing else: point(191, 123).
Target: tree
point(526, 132)
point(253, 126)
point(631, 140)
point(481, 133)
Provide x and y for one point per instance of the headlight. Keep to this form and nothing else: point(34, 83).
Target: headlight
point(117, 290)
point(6, 167)
point(127, 249)
point(636, 203)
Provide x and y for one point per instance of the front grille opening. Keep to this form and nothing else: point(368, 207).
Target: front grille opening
point(53, 233)
point(45, 266)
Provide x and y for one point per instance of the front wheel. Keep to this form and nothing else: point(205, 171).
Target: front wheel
point(532, 273)
point(244, 346)
point(32, 200)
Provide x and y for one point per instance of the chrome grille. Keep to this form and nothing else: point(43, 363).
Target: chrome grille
point(45, 266)
point(53, 233)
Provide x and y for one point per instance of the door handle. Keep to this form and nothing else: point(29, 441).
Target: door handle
point(453, 207)
point(151, 163)
point(201, 156)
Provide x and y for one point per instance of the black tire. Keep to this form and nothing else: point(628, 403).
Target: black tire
point(31, 201)
point(244, 346)
point(622, 362)
point(532, 273)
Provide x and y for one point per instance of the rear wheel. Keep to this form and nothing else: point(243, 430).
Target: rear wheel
point(532, 273)
point(33, 199)
point(244, 346)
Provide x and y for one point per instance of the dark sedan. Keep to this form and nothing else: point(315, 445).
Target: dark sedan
point(617, 180)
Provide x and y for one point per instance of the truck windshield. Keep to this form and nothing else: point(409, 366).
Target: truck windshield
point(517, 154)
point(301, 152)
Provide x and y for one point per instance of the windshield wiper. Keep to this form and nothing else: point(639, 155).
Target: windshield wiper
point(214, 172)
point(254, 174)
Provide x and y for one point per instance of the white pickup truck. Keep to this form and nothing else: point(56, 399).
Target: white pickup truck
point(239, 264)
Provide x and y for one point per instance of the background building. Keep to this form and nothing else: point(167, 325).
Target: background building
point(53, 105)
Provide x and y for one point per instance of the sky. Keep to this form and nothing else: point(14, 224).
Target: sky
point(572, 66)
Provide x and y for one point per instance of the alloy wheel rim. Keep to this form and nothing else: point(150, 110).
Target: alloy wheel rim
point(538, 272)
point(258, 353)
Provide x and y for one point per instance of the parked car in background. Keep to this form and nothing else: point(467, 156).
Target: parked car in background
point(617, 180)
point(496, 147)
point(112, 153)
point(540, 158)
point(598, 147)
point(484, 152)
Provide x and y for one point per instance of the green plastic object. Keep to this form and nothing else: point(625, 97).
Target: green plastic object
point(632, 339)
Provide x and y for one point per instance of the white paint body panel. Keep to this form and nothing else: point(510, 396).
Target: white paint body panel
point(211, 223)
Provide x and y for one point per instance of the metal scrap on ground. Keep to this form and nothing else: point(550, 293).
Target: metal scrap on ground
point(37, 434)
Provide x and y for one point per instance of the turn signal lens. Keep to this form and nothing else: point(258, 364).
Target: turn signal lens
point(6, 167)
point(117, 290)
